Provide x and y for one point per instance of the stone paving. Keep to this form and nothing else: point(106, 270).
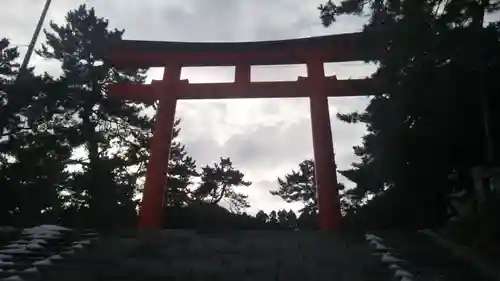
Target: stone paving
point(426, 260)
point(55, 253)
point(243, 255)
point(23, 254)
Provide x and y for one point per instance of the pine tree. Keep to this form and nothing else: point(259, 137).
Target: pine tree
point(437, 115)
point(32, 154)
point(300, 186)
point(291, 219)
point(181, 173)
point(273, 220)
point(217, 184)
point(110, 138)
point(113, 134)
point(262, 217)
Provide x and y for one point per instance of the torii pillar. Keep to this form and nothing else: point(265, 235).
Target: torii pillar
point(150, 214)
point(324, 159)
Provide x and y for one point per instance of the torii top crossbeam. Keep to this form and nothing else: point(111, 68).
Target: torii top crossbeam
point(331, 48)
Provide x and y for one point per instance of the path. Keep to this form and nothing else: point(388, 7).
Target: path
point(191, 255)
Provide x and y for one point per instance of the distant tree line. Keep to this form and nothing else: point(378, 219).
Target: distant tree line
point(214, 217)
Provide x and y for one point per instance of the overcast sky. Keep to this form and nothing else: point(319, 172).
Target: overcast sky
point(265, 138)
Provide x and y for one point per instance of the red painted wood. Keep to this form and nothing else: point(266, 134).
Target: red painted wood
point(123, 59)
point(313, 51)
point(139, 93)
point(285, 89)
point(150, 213)
point(324, 160)
point(330, 48)
point(242, 74)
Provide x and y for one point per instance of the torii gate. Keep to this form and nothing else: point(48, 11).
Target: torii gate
point(173, 56)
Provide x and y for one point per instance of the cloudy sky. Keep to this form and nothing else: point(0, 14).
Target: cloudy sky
point(265, 138)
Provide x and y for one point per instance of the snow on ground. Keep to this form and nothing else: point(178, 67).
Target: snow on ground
point(83, 242)
point(14, 278)
point(34, 246)
point(15, 251)
point(31, 270)
point(55, 257)
point(5, 257)
point(402, 273)
point(70, 252)
point(399, 272)
point(43, 262)
point(45, 231)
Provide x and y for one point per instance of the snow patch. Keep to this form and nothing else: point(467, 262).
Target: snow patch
point(15, 251)
point(5, 229)
point(402, 273)
point(78, 246)
point(54, 227)
point(6, 262)
point(51, 235)
point(394, 267)
point(39, 241)
point(379, 246)
point(43, 262)
point(31, 270)
point(371, 237)
point(5, 257)
point(14, 278)
point(56, 257)
point(21, 241)
point(13, 246)
point(44, 231)
point(34, 246)
point(83, 242)
point(390, 259)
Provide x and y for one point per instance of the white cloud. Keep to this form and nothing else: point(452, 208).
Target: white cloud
point(264, 138)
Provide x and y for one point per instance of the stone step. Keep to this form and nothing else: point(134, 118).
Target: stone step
point(185, 255)
point(428, 260)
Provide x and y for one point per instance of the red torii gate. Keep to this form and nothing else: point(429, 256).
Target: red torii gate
point(173, 56)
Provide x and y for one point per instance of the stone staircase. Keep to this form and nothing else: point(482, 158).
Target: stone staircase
point(426, 260)
point(191, 255)
point(23, 253)
point(55, 253)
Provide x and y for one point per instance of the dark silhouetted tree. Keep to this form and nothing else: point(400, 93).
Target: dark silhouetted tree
point(437, 66)
point(262, 217)
point(300, 186)
point(32, 154)
point(218, 182)
point(112, 135)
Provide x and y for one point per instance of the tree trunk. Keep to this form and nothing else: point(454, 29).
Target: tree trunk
point(217, 200)
point(96, 183)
